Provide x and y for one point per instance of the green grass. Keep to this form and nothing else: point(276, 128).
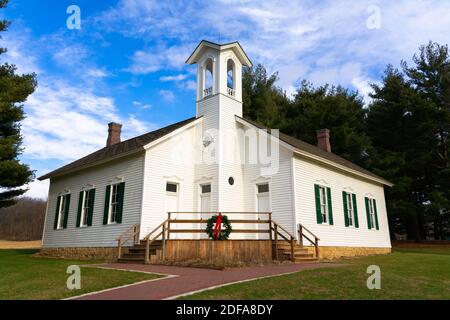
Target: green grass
point(23, 276)
point(416, 273)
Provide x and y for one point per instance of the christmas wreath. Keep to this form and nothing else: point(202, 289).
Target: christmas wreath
point(214, 227)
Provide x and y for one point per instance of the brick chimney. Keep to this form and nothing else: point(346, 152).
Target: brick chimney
point(114, 130)
point(323, 139)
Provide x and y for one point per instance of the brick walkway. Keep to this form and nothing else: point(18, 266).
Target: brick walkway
point(190, 279)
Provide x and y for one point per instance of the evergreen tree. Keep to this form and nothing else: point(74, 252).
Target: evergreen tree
point(408, 124)
point(330, 107)
point(14, 90)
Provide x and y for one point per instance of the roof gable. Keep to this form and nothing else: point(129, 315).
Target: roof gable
point(322, 154)
point(115, 151)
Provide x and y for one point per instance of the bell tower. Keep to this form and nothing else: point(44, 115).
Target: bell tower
point(219, 71)
point(219, 101)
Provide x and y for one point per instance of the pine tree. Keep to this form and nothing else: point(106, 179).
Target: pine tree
point(14, 90)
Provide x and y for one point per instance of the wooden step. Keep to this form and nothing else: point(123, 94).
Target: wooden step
point(305, 260)
point(131, 260)
point(299, 254)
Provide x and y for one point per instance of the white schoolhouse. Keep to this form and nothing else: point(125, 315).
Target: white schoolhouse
point(271, 186)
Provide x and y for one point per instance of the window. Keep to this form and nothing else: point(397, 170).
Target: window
point(114, 200)
point(206, 188)
point(350, 210)
point(171, 187)
point(323, 204)
point(85, 208)
point(324, 212)
point(62, 211)
point(372, 216)
point(263, 188)
point(114, 203)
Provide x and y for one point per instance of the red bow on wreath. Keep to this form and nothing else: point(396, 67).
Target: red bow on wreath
point(218, 226)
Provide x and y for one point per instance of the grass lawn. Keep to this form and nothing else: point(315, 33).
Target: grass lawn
point(23, 276)
point(407, 273)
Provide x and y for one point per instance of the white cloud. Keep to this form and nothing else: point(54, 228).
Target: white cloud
point(167, 95)
point(159, 58)
point(178, 77)
point(325, 41)
point(141, 105)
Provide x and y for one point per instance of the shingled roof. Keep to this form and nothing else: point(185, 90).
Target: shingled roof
point(137, 144)
point(316, 151)
point(125, 147)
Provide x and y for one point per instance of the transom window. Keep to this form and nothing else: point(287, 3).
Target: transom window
point(206, 188)
point(263, 188)
point(171, 187)
point(113, 203)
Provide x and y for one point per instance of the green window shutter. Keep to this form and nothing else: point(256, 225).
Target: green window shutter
point(368, 213)
point(91, 202)
point(344, 199)
point(80, 208)
point(355, 210)
point(376, 214)
point(330, 209)
point(121, 198)
point(66, 211)
point(106, 211)
point(318, 212)
point(58, 202)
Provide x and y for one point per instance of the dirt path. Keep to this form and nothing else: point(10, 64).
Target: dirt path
point(20, 244)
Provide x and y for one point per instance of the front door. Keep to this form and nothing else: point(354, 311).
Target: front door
point(263, 199)
point(205, 198)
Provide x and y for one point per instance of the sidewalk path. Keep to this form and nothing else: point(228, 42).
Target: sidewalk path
point(187, 280)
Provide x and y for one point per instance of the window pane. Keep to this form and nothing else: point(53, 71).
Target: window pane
point(263, 188)
point(206, 188)
point(171, 187)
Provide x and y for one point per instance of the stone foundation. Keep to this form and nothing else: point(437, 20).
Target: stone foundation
point(339, 252)
point(87, 253)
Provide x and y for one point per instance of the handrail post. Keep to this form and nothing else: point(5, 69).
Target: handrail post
point(300, 235)
point(168, 225)
point(164, 242)
point(317, 247)
point(276, 240)
point(270, 226)
point(147, 251)
point(136, 234)
point(119, 249)
point(292, 249)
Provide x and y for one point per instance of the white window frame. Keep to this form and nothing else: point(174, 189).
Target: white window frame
point(62, 205)
point(372, 213)
point(323, 196)
point(350, 209)
point(171, 193)
point(85, 209)
point(110, 207)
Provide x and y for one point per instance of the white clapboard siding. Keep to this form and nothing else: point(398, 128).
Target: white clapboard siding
point(307, 174)
point(97, 235)
point(169, 161)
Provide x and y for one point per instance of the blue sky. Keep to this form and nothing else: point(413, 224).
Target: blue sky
point(126, 64)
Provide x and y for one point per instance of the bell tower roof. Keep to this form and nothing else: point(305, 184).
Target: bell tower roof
point(235, 46)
